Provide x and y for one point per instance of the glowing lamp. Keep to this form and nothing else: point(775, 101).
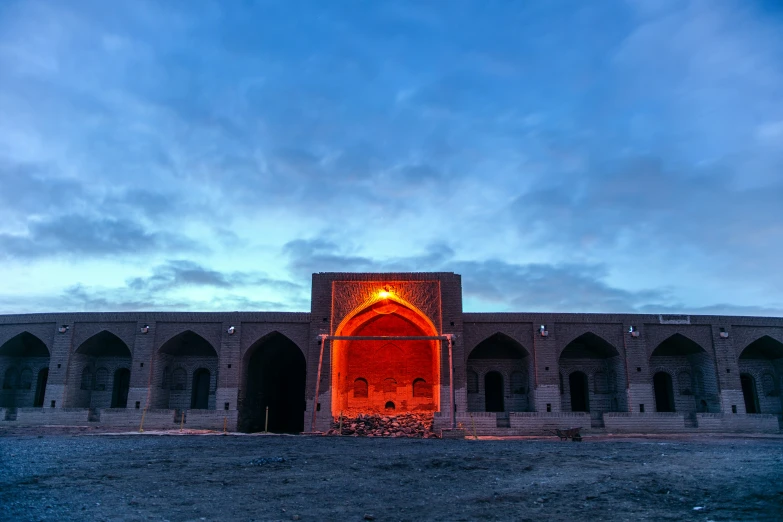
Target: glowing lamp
point(145, 329)
point(384, 294)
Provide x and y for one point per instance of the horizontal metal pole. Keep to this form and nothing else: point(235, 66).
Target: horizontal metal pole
point(386, 337)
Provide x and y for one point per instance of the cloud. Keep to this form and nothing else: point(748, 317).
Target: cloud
point(76, 235)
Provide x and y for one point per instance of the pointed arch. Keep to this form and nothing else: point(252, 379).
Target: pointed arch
point(498, 346)
point(678, 344)
point(384, 305)
point(24, 344)
point(103, 344)
point(765, 347)
point(273, 336)
point(188, 344)
point(589, 345)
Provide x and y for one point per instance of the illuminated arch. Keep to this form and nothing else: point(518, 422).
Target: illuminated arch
point(381, 315)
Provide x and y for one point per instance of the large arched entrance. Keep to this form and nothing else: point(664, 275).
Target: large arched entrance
point(99, 373)
point(22, 358)
point(664, 392)
point(391, 366)
point(696, 389)
point(507, 360)
point(274, 374)
point(761, 369)
point(186, 373)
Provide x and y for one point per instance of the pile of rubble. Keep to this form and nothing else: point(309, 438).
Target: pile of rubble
point(418, 425)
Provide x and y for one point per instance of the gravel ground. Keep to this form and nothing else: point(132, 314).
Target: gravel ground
point(71, 475)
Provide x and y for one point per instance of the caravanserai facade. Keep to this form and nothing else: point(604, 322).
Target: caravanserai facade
point(393, 343)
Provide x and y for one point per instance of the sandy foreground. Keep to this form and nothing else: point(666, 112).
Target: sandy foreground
point(71, 474)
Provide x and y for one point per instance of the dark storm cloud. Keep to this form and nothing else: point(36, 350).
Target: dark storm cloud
point(182, 273)
point(74, 234)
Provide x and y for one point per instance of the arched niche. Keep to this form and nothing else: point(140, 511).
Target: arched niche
point(377, 361)
point(761, 362)
point(182, 362)
point(102, 354)
point(596, 369)
point(679, 356)
point(273, 376)
point(510, 389)
point(22, 359)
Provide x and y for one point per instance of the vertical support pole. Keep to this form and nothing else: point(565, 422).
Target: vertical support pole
point(318, 381)
point(182, 420)
point(452, 394)
point(141, 426)
point(266, 421)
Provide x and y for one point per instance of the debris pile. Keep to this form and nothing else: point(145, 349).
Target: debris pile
point(417, 425)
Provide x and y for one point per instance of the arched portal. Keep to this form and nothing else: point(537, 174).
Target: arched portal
point(274, 374)
point(493, 384)
point(21, 357)
point(120, 388)
point(390, 366)
point(664, 392)
point(580, 398)
point(185, 373)
point(749, 393)
point(94, 370)
point(501, 354)
point(762, 362)
point(680, 356)
point(199, 399)
point(592, 359)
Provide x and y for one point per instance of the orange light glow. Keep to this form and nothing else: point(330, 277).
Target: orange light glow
point(384, 294)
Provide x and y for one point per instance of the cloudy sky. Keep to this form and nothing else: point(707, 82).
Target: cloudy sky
point(562, 156)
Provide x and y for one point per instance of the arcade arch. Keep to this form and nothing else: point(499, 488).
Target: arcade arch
point(498, 371)
point(679, 356)
point(24, 367)
point(186, 368)
point(592, 376)
point(99, 373)
point(761, 373)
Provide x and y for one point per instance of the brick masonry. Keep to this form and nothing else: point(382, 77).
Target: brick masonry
point(706, 384)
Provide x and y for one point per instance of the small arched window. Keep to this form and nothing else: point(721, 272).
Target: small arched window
point(389, 385)
point(166, 382)
point(698, 382)
point(472, 382)
point(360, 388)
point(421, 388)
point(684, 383)
point(611, 377)
point(179, 379)
point(10, 379)
point(768, 385)
point(600, 382)
point(26, 379)
point(101, 379)
point(518, 383)
point(389, 405)
point(86, 378)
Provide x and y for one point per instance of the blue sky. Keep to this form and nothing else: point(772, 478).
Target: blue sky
point(562, 156)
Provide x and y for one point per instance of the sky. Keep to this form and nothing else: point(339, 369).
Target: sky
point(562, 156)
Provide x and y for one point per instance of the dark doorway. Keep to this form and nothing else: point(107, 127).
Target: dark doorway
point(493, 392)
point(40, 388)
point(199, 399)
point(580, 401)
point(749, 393)
point(119, 396)
point(275, 379)
point(664, 393)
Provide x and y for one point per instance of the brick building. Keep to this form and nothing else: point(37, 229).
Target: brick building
point(383, 342)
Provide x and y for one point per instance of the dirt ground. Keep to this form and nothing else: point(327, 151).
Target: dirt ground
point(75, 475)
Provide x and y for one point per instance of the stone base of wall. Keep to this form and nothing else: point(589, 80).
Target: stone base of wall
point(519, 423)
point(737, 423)
point(621, 422)
point(123, 418)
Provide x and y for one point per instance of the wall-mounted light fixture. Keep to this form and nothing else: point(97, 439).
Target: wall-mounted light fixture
point(723, 333)
point(64, 328)
point(544, 332)
point(231, 330)
point(633, 331)
point(145, 329)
